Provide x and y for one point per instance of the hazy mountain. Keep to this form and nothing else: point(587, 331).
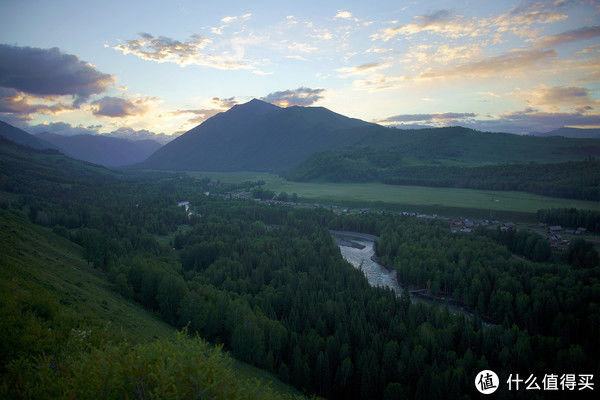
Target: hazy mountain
point(102, 150)
point(23, 138)
point(571, 133)
point(258, 136)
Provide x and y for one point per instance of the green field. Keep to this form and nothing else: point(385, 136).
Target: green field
point(406, 195)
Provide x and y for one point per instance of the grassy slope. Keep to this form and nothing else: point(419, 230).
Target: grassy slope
point(408, 195)
point(37, 266)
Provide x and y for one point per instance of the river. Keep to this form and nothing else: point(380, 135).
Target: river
point(359, 250)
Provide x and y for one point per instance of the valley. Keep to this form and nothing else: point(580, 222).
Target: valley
point(451, 200)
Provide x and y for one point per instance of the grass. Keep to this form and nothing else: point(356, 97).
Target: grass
point(520, 202)
point(48, 293)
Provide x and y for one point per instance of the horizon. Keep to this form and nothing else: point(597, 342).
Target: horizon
point(159, 70)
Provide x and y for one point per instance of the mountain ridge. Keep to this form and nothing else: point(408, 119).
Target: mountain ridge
point(258, 136)
point(103, 150)
point(23, 138)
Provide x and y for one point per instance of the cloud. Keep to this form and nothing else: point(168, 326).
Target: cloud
point(200, 115)
point(302, 96)
point(22, 105)
point(142, 134)
point(302, 47)
point(495, 65)
point(63, 128)
point(66, 129)
point(343, 14)
point(440, 117)
point(118, 107)
point(228, 20)
point(191, 52)
point(556, 97)
point(586, 32)
point(533, 120)
point(441, 21)
point(444, 23)
point(224, 102)
point(50, 73)
point(362, 69)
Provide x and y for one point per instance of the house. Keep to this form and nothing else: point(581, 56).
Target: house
point(555, 228)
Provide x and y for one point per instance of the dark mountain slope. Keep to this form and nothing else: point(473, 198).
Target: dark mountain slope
point(23, 138)
point(102, 150)
point(254, 136)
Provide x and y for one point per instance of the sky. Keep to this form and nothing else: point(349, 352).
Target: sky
point(155, 69)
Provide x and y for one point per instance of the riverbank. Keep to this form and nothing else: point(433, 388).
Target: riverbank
point(358, 249)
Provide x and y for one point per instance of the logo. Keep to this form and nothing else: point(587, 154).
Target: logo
point(487, 381)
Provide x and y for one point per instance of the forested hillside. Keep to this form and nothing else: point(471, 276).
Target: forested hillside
point(268, 282)
point(573, 179)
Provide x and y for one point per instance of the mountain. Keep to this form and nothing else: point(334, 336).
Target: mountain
point(572, 133)
point(23, 138)
point(102, 150)
point(258, 136)
point(255, 136)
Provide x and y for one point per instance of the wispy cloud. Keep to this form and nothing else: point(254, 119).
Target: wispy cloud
point(496, 65)
point(532, 120)
point(191, 52)
point(586, 32)
point(230, 19)
point(444, 22)
point(302, 47)
point(363, 69)
point(439, 117)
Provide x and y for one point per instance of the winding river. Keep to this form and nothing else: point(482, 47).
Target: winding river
point(358, 249)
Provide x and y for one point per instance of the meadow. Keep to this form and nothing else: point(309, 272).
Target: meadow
point(510, 201)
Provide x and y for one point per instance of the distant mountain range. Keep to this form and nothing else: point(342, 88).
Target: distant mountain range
point(258, 136)
point(572, 133)
point(97, 149)
point(23, 138)
point(103, 150)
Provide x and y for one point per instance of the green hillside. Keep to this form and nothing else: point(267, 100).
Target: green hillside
point(66, 331)
point(67, 334)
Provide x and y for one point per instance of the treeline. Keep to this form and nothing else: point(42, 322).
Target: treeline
point(574, 179)
point(571, 217)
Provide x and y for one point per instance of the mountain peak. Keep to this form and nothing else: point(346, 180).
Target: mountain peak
point(254, 106)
